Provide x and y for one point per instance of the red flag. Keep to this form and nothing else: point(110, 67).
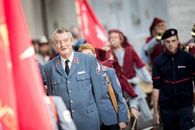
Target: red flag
point(32, 111)
point(92, 29)
point(8, 112)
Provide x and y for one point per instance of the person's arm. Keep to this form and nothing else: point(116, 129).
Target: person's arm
point(42, 72)
point(95, 75)
point(150, 45)
point(144, 74)
point(134, 80)
point(47, 71)
point(156, 90)
point(144, 56)
point(191, 64)
point(137, 60)
point(140, 69)
point(155, 105)
point(134, 103)
point(193, 92)
point(122, 106)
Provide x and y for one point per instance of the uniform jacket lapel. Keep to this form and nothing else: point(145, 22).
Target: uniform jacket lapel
point(59, 67)
point(75, 64)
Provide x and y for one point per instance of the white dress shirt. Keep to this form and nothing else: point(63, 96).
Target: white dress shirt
point(70, 60)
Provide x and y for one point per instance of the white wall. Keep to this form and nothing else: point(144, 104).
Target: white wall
point(60, 13)
point(32, 12)
point(182, 17)
point(133, 17)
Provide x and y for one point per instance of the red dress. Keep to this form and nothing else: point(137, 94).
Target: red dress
point(131, 59)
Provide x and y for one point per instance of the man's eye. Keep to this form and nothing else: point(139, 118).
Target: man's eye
point(65, 40)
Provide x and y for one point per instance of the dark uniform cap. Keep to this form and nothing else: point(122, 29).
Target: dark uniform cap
point(169, 33)
point(193, 31)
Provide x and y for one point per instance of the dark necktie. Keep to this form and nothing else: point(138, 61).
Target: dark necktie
point(67, 69)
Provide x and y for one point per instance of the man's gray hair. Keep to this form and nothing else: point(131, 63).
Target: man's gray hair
point(61, 30)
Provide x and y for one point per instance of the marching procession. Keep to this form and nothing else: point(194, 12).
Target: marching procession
point(87, 77)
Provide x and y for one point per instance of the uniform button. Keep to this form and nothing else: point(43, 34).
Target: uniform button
point(71, 101)
point(68, 82)
point(72, 110)
point(70, 91)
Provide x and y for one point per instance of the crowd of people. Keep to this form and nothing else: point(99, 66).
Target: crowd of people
point(100, 88)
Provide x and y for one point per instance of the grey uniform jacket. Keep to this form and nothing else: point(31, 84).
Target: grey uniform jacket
point(107, 113)
point(80, 90)
point(65, 121)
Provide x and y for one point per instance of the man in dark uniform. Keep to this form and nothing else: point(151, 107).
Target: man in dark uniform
point(173, 72)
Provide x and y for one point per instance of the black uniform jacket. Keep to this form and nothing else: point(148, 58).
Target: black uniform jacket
point(173, 75)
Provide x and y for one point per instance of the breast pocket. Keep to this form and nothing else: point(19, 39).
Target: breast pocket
point(58, 83)
point(183, 71)
point(83, 80)
point(59, 87)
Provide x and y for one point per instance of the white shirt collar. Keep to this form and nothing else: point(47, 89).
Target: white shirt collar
point(70, 59)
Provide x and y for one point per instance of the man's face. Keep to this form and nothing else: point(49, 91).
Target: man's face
point(115, 40)
point(63, 44)
point(171, 44)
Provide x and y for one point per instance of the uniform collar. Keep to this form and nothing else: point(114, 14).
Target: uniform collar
point(70, 58)
point(172, 55)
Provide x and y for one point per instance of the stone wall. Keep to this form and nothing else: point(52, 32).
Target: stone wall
point(182, 16)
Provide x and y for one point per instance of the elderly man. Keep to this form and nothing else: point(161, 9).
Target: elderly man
point(76, 78)
point(172, 74)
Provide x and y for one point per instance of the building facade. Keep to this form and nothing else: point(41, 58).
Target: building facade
point(133, 17)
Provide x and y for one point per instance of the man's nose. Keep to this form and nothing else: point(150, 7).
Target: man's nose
point(62, 44)
point(171, 43)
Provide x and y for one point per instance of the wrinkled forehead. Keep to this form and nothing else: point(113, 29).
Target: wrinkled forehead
point(61, 36)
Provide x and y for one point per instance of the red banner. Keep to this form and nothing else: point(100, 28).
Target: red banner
point(33, 113)
point(92, 29)
point(8, 112)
